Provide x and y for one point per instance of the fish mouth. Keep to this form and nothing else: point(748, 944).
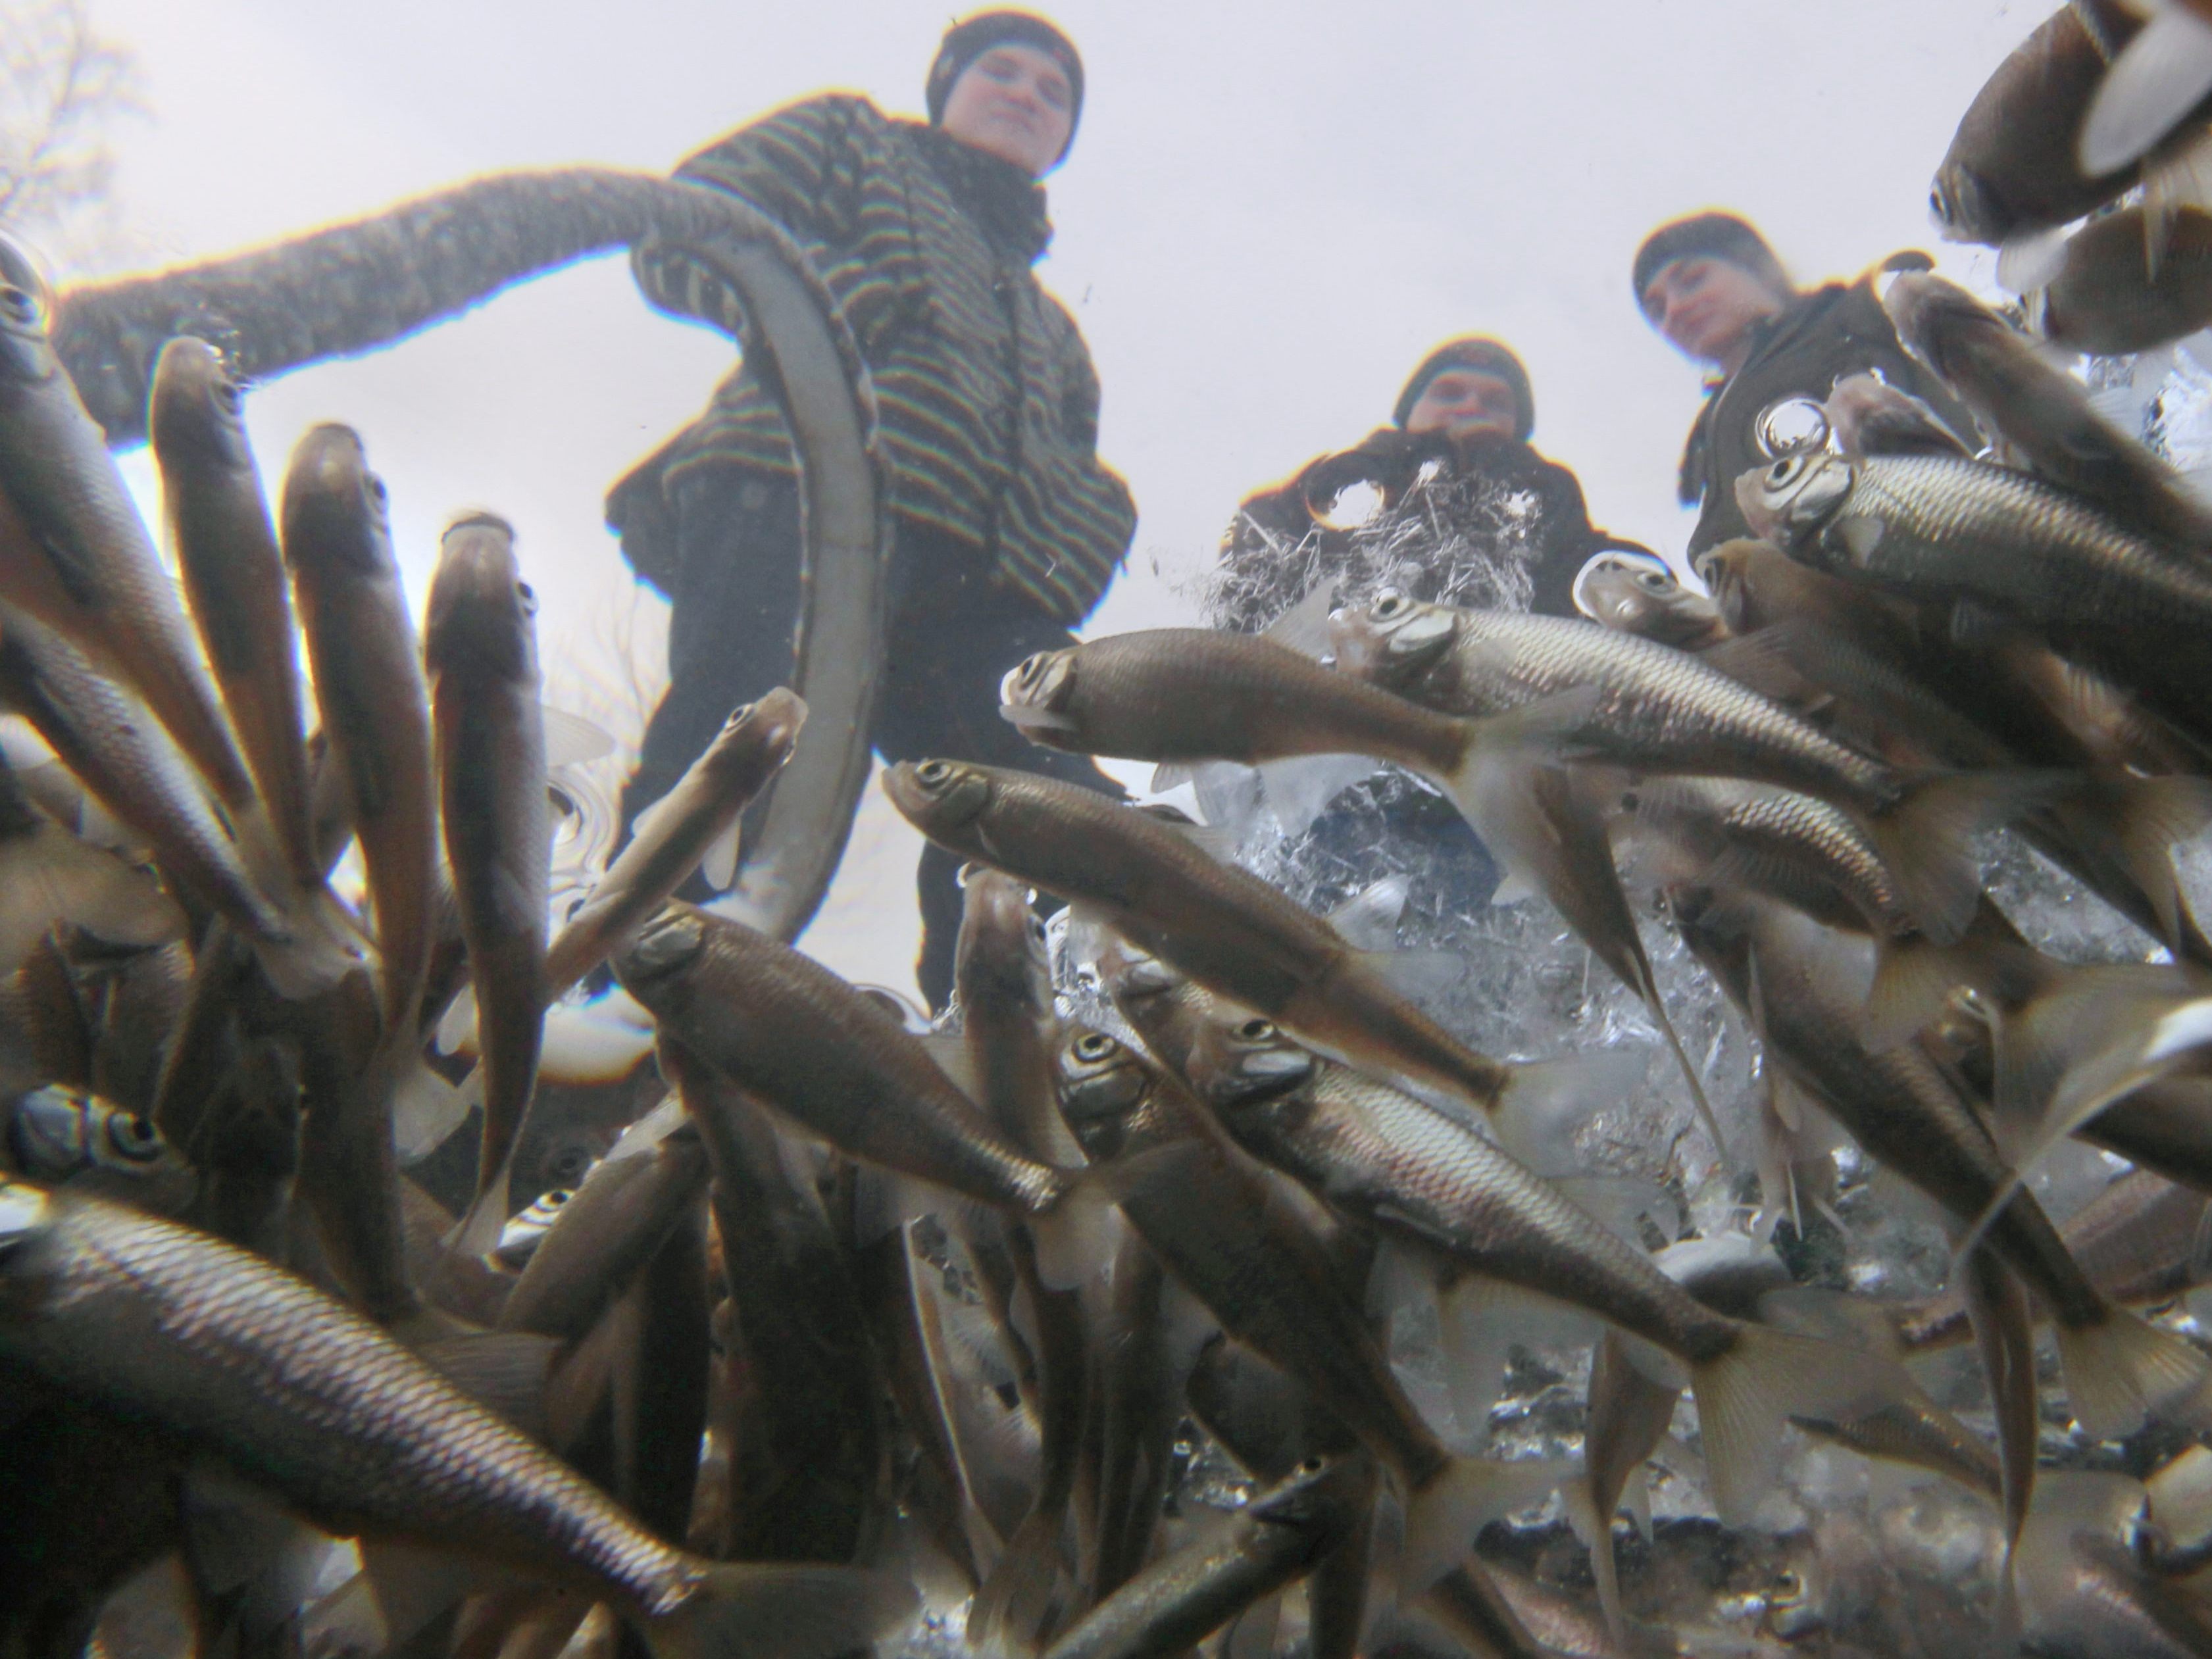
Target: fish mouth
point(939, 794)
point(1034, 689)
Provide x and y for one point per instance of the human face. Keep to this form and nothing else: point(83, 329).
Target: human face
point(1463, 402)
point(1013, 102)
point(1706, 307)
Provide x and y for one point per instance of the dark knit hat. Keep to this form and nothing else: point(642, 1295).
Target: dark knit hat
point(1485, 358)
point(1711, 236)
point(969, 39)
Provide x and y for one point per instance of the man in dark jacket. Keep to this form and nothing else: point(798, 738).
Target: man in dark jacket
point(1711, 285)
point(1008, 527)
point(1469, 515)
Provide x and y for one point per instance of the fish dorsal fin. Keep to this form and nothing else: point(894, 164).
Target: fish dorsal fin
point(571, 740)
point(1368, 920)
point(1304, 627)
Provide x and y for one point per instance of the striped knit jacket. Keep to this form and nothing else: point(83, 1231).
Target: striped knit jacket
point(987, 399)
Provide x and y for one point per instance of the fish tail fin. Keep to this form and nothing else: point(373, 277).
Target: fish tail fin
point(479, 1230)
point(1076, 1238)
point(2152, 816)
point(2004, 1333)
point(1495, 748)
point(782, 1613)
point(1443, 1517)
point(1746, 1396)
point(2119, 1370)
point(1923, 837)
point(1913, 975)
point(1010, 1605)
point(1595, 1531)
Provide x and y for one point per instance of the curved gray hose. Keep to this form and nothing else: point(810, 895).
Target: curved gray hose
point(359, 286)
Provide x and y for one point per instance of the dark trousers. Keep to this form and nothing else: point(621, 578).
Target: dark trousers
point(953, 633)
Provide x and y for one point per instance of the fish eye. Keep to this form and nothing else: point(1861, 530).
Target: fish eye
point(1094, 1045)
point(741, 714)
point(1784, 470)
point(377, 492)
point(931, 772)
point(1311, 1466)
point(528, 597)
point(1656, 580)
point(226, 396)
point(18, 304)
point(1256, 1030)
point(556, 1198)
point(1036, 930)
point(1390, 605)
point(1032, 668)
point(134, 1137)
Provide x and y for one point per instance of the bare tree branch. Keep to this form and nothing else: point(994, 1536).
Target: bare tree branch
point(63, 87)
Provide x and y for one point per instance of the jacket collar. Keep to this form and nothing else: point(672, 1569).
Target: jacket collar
point(1007, 205)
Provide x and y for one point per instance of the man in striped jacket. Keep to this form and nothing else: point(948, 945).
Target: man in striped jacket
point(1008, 527)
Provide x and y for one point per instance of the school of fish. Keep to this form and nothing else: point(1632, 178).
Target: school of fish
point(376, 1279)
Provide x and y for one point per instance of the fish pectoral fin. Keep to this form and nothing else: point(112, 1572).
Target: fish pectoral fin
point(1029, 719)
point(1299, 788)
point(457, 1026)
point(1860, 533)
point(718, 864)
point(775, 1612)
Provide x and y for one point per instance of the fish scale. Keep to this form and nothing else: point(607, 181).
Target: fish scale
point(1658, 708)
point(1369, 1148)
point(339, 1416)
point(2009, 539)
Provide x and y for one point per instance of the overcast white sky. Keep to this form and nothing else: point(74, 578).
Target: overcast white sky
point(1271, 211)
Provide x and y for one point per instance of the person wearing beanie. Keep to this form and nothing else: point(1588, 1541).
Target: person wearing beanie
point(1007, 526)
point(1711, 286)
point(1464, 511)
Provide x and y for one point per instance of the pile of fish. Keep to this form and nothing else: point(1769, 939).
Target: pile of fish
point(371, 1283)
